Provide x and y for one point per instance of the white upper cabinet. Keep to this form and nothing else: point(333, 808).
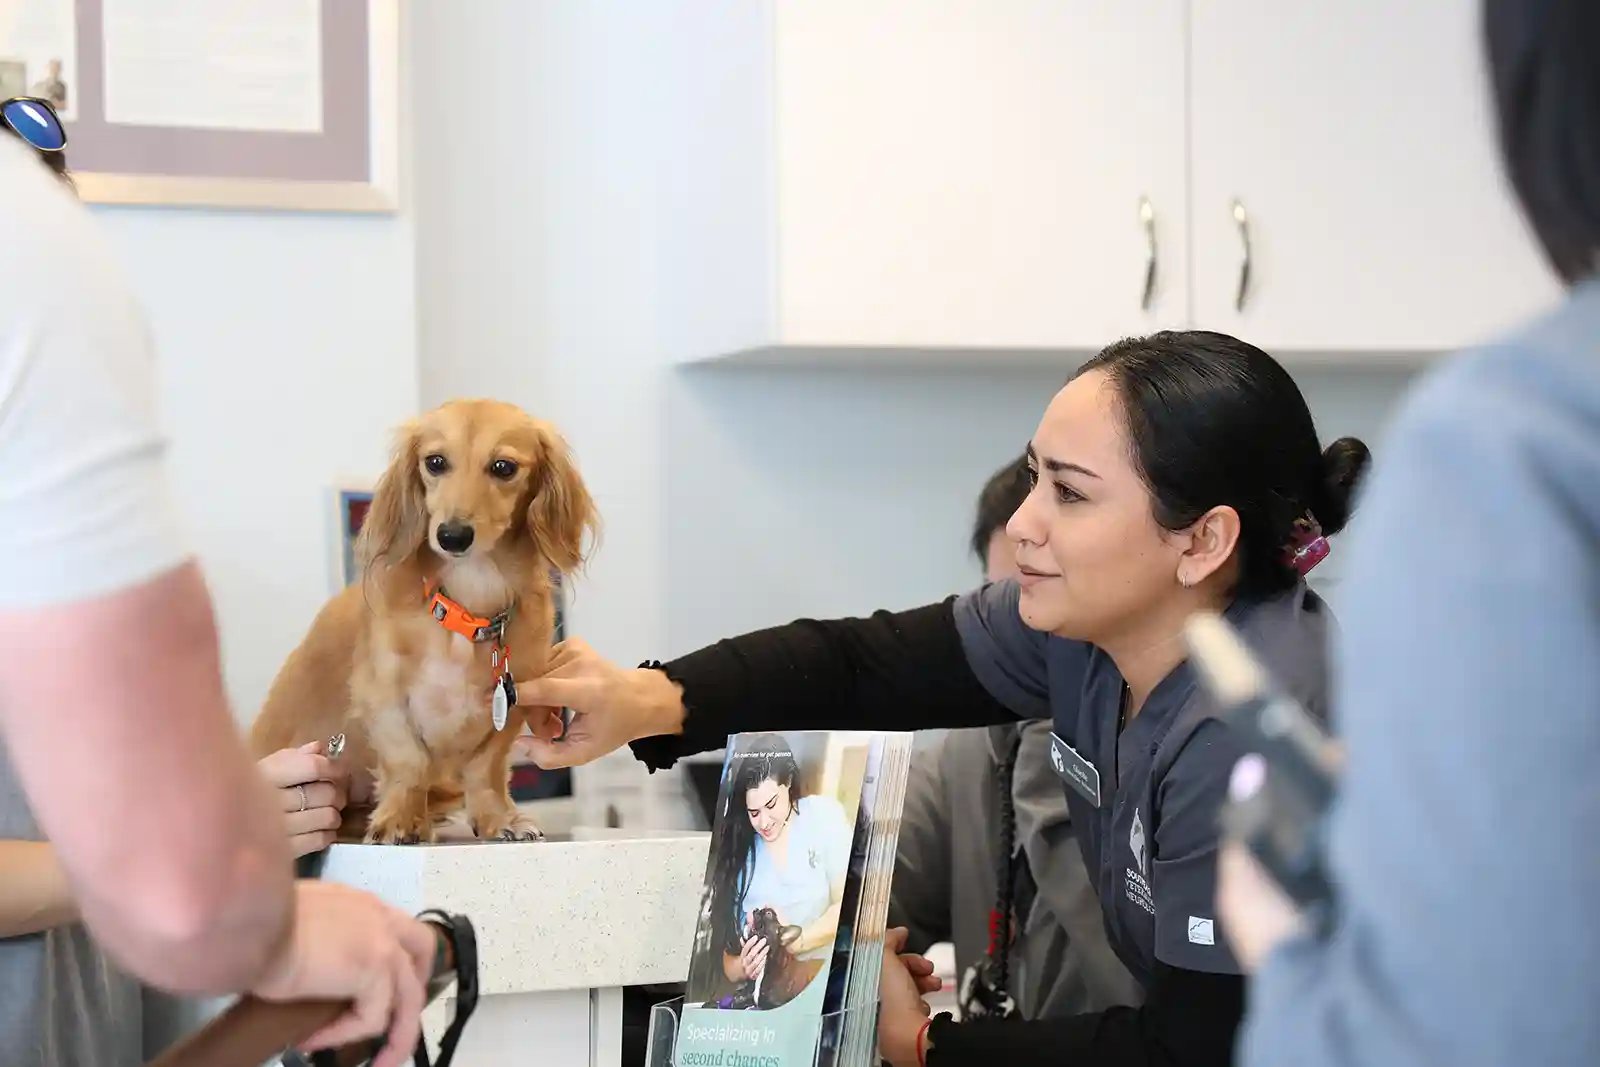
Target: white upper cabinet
point(974, 178)
point(978, 174)
point(1353, 142)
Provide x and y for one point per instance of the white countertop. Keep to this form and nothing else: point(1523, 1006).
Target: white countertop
point(600, 908)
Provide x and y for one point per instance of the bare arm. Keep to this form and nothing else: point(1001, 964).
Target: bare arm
point(36, 894)
point(114, 713)
point(825, 927)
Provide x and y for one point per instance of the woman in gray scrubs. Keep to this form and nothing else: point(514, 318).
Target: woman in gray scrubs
point(1172, 473)
point(1465, 843)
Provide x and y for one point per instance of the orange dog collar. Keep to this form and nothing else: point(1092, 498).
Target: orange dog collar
point(477, 629)
point(458, 620)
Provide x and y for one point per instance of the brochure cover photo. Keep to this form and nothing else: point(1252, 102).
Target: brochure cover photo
point(781, 845)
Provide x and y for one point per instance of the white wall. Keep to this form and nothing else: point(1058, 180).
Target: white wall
point(287, 350)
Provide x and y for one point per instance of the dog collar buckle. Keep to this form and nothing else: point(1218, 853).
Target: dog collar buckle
point(458, 620)
point(494, 630)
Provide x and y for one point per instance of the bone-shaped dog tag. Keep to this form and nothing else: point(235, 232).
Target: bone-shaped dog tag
point(505, 695)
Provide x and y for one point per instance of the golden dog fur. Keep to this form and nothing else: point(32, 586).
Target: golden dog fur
point(412, 698)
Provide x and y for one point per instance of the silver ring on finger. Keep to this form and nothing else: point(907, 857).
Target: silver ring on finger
point(302, 796)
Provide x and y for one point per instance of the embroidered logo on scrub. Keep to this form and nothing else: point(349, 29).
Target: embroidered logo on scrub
point(1138, 884)
point(1136, 843)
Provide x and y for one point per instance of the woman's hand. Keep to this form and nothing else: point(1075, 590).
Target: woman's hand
point(753, 957)
point(906, 978)
point(1257, 916)
point(311, 792)
point(614, 706)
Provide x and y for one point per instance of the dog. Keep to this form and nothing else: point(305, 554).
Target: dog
point(783, 977)
point(479, 505)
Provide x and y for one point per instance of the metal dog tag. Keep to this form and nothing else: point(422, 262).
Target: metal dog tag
point(505, 694)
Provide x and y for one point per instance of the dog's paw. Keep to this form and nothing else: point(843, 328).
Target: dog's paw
point(525, 833)
point(399, 831)
point(518, 828)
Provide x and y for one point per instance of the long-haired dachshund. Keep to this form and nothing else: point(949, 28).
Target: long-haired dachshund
point(479, 504)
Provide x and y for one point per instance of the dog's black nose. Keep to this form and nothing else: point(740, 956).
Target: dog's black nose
point(455, 537)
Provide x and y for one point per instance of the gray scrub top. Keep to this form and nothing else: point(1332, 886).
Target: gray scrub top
point(1150, 842)
point(63, 1003)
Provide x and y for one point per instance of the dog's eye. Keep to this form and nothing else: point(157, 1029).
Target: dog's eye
point(503, 469)
point(436, 464)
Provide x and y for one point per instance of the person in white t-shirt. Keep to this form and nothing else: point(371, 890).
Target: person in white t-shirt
point(789, 852)
point(112, 713)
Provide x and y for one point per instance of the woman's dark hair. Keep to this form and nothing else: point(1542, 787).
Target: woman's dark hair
point(1002, 495)
point(1213, 421)
point(1546, 81)
point(760, 758)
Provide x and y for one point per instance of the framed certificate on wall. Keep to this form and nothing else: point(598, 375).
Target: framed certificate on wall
point(286, 104)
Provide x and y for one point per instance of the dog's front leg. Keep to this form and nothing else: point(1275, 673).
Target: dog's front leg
point(490, 809)
point(400, 783)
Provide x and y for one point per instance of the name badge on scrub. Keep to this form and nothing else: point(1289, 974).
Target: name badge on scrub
point(1076, 771)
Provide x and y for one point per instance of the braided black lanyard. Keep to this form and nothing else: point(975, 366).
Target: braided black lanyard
point(1000, 919)
point(984, 987)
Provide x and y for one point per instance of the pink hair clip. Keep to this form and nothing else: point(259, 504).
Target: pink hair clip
point(1307, 546)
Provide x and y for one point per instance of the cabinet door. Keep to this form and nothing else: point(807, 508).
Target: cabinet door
point(1357, 139)
point(969, 173)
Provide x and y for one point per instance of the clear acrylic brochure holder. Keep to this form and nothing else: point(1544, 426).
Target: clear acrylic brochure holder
point(661, 1044)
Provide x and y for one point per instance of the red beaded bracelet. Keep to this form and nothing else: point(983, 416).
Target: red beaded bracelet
point(922, 1048)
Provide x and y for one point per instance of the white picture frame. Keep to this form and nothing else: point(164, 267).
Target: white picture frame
point(379, 192)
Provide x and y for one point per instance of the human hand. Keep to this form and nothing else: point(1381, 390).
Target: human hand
point(902, 1012)
point(613, 706)
point(1257, 915)
point(349, 945)
point(920, 968)
point(753, 957)
point(311, 790)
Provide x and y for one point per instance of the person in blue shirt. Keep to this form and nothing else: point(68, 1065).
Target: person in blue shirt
point(777, 848)
point(1463, 843)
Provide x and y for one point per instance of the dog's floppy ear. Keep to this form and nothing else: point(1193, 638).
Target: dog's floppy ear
point(397, 522)
point(561, 516)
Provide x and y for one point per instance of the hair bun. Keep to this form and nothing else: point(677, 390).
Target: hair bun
point(1343, 464)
